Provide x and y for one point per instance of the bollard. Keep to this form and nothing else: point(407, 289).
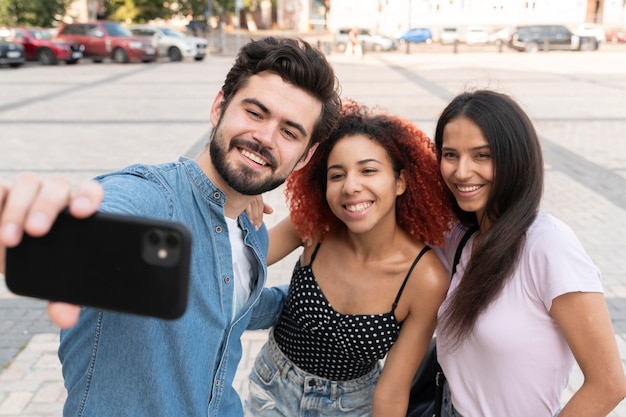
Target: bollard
point(455, 46)
point(546, 44)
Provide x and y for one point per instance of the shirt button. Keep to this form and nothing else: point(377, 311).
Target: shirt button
point(218, 229)
point(216, 196)
point(217, 382)
point(227, 280)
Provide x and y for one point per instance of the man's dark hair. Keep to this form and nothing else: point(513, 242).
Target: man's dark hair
point(296, 62)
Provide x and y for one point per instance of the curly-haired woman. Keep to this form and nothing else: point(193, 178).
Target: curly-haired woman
point(366, 286)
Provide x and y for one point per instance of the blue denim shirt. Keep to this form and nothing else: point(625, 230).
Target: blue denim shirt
point(118, 364)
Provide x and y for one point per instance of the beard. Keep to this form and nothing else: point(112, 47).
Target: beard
point(242, 179)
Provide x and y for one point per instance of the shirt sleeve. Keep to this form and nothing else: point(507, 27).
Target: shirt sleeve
point(558, 263)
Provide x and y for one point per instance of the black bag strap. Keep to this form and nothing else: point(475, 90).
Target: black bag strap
point(459, 249)
point(440, 378)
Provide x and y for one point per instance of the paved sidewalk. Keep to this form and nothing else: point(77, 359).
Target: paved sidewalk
point(576, 101)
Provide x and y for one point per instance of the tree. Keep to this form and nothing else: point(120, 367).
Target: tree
point(43, 13)
point(137, 11)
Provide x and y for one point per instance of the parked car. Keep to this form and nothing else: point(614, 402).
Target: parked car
point(104, 39)
point(550, 37)
point(40, 45)
point(11, 53)
point(369, 41)
point(449, 35)
point(416, 35)
point(173, 44)
point(476, 35)
point(501, 36)
point(591, 29)
point(616, 35)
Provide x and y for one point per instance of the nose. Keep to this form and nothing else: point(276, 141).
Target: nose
point(265, 133)
point(464, 168)
point(351, 184)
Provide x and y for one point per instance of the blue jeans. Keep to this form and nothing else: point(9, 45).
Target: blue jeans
point(447, 408)
point(279, 388)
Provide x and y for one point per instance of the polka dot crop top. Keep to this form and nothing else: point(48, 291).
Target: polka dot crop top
point(326, 343)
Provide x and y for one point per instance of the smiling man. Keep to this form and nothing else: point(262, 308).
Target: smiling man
point(278, 101)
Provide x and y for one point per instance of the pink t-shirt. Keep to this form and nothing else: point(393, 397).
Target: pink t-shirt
point(516, 363)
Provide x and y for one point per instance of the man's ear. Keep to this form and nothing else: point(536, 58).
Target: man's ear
point(217, 107)
point(306, 158)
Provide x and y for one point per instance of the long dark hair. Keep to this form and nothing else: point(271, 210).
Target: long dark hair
point(296, 62)
point(511, 207)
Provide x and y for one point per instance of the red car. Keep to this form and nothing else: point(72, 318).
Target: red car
point(40, 45)
point(616, 35)
point(105, 39)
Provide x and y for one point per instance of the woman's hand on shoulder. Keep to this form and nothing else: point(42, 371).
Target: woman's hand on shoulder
point(257, 209)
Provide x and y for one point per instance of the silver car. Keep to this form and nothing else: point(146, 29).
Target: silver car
point(172, 43)
point(369, 41)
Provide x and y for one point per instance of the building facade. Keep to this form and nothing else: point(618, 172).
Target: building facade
point(394, 16)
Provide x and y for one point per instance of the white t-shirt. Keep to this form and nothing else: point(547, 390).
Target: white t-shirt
point(516, 362)
point(243, 261)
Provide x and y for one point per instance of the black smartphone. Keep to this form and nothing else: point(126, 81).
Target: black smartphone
point(111, 261)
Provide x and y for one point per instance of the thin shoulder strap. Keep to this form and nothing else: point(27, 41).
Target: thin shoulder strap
point(422, 252)
point(317, 247)
point(459, 249)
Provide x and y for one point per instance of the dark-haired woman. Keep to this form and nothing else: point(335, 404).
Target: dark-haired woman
point(526, 301)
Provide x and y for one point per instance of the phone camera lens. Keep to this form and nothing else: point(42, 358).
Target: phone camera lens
point(154, 238)
point(172, 240)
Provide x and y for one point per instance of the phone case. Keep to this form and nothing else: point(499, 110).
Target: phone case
point(117, 262)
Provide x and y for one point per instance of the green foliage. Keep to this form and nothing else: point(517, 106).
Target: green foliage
point(136, 11)
point(44, 13)
point(48, 13)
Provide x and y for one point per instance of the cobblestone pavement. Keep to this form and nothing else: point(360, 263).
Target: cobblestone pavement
point(86, 119)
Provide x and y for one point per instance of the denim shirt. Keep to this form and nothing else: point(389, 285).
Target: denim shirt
point(118, 364)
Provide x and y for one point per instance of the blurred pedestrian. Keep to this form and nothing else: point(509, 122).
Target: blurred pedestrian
point(353, 47)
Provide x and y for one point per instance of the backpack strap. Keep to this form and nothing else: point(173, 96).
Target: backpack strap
point(459, 249)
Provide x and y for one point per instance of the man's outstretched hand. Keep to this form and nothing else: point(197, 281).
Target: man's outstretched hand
point(30, 205)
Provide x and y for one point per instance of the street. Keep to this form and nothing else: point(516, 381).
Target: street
point(85, 119)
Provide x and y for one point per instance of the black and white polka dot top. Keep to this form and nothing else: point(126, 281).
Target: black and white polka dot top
point(326, 343)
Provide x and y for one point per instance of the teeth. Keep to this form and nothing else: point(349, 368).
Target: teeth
point(253, 157)
point(468, 189)
point(357, 208)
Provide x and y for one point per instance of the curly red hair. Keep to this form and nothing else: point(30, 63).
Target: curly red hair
point(423, 210)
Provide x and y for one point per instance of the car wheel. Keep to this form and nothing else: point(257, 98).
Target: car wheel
point(46, 57)
point(174, 54)
point(532, 47)
point(119, 56)
point(71, 61)
point(15, 65)
point(588, 46)
point(199, 58)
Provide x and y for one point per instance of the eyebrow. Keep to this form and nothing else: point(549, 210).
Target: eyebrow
point(265, 110)
point(475, 148)
point(361, 162)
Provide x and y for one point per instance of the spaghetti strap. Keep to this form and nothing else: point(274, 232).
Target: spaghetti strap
point(317, 247)
point(422, 252)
